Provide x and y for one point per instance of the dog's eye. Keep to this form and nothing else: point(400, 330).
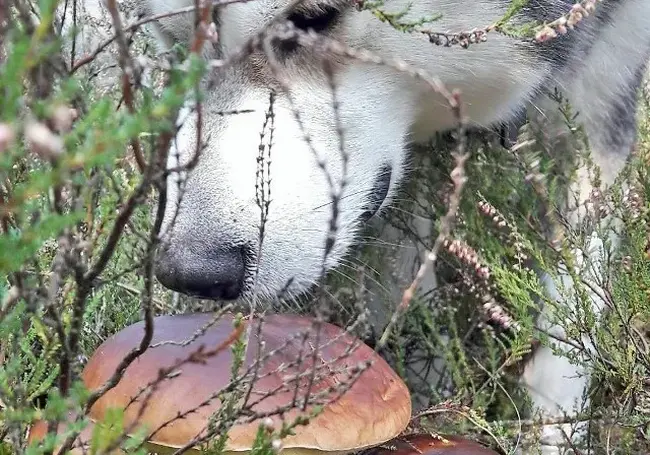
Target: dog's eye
point(318, 21)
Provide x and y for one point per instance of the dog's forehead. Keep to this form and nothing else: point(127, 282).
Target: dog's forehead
point(240, 20)
point(251, 13)
point(258, 13)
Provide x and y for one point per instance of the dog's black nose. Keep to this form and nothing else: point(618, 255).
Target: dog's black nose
point(212, 273)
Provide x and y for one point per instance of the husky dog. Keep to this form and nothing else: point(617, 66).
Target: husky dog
point(212, 249)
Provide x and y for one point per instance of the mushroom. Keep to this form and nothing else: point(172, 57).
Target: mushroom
point(429, 444)
point(375, 409)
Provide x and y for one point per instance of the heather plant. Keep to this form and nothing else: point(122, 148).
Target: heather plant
point(479, 320)
point(83, 187)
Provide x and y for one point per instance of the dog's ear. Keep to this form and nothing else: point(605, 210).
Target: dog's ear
point(173, 29)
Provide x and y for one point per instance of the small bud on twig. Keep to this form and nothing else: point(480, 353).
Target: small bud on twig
point(63, 117)
point(211, 33)
point(42, 140)
point(268, 423)
point(7, 136)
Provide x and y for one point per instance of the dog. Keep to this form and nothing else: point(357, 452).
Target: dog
point(357, 155)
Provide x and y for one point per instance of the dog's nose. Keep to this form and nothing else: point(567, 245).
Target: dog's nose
point(214, 273)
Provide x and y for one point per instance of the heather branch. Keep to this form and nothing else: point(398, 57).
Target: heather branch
point(139, 23)
point(340, 389)
point(128, 70)
point(253, 370)
point(199, 332)
point(146, 296)
point(152, 177)
point(540, 33)
point(200, 355)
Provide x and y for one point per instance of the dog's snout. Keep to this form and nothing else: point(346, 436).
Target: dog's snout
point(210, 273)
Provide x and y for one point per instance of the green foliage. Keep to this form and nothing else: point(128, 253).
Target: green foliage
point(65, 182)
point(397, 19)
point(482, 357)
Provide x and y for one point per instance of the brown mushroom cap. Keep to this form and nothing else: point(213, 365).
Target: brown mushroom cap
point(375, 409)
point(426, 444)
point(39, 430)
